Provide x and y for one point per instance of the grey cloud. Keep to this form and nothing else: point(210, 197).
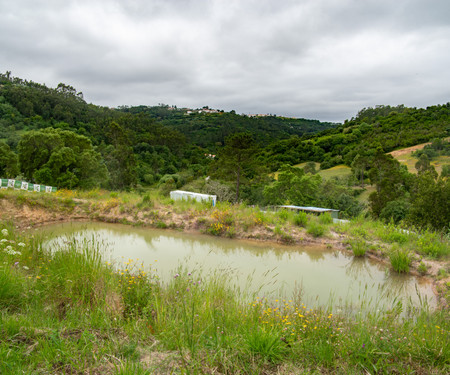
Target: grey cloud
point(322, 59)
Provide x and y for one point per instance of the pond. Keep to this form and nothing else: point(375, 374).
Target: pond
point(323, 276)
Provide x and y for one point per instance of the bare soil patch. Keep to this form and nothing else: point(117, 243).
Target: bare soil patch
point(408, 150)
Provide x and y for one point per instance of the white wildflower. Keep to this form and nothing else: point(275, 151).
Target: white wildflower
point(21, 244)
point(3, 240)
point(9, 250)
point(5, 232)
point(25, 267)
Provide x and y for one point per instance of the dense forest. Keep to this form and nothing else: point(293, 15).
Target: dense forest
point(52, 136)
point(209, 128)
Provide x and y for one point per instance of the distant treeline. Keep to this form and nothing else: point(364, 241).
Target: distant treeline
point(51, 136)
point(383, 126)
point(137, 145)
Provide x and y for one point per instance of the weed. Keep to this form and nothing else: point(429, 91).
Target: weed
point(400, 260)
point(326, 218)
point(223, 223)
point(430, 244)
point(422, 268)
point(283, 236)
point(161, 224)
point(315, 229)
point(11, 288)
point(396, 236)
point(359, 247)
point(136, 288)
point(301, 219)
point(442, 274)
point(283, 215)
point(266, 343)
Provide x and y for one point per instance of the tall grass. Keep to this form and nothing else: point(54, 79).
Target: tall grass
point(400, 259)
point(301, 219)
point(432, 244)
point(75, 313)
point(316, 229)
point(66, 310)
point(359, 247)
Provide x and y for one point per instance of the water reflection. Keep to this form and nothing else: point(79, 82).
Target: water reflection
point(321, 276)
point(358, 267)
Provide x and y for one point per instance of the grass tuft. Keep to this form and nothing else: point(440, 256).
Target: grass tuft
point(315, 229)
point(400, 260)
point(359, 247)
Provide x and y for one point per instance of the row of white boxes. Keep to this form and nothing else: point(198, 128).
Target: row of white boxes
point(23, 185)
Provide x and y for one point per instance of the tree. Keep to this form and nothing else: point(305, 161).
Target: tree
point(9, 166)
point(293, 186)
point(120, 158)
point(236, 161)
point(310, 167)
point(430, 199)
point(359, 166)
point(423, 165)
point(390, 179)
point(61, 158)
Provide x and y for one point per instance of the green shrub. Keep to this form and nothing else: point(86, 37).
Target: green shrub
point(442, 274)
point(316, 230)
point(395, 210)
point(422, 268)
point(325, 218)
point(301, 219)
point(283, 236)
point(146, 202)
point(283, 215)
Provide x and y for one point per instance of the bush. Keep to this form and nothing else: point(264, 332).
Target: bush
point(422, 268)
point(283, 215)
point(325, 218)
point(301, 219)
point(316, 230)
point(395, 210)
point(146, 202)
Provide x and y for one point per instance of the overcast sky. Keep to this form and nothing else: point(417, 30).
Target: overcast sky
point(319, 59)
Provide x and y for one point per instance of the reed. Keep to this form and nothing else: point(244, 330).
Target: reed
point(400, 259)
point(359, 247)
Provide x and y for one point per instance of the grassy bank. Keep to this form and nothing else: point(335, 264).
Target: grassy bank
point(70, 312)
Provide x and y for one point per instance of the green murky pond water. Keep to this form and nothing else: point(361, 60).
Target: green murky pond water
point(323, 276)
